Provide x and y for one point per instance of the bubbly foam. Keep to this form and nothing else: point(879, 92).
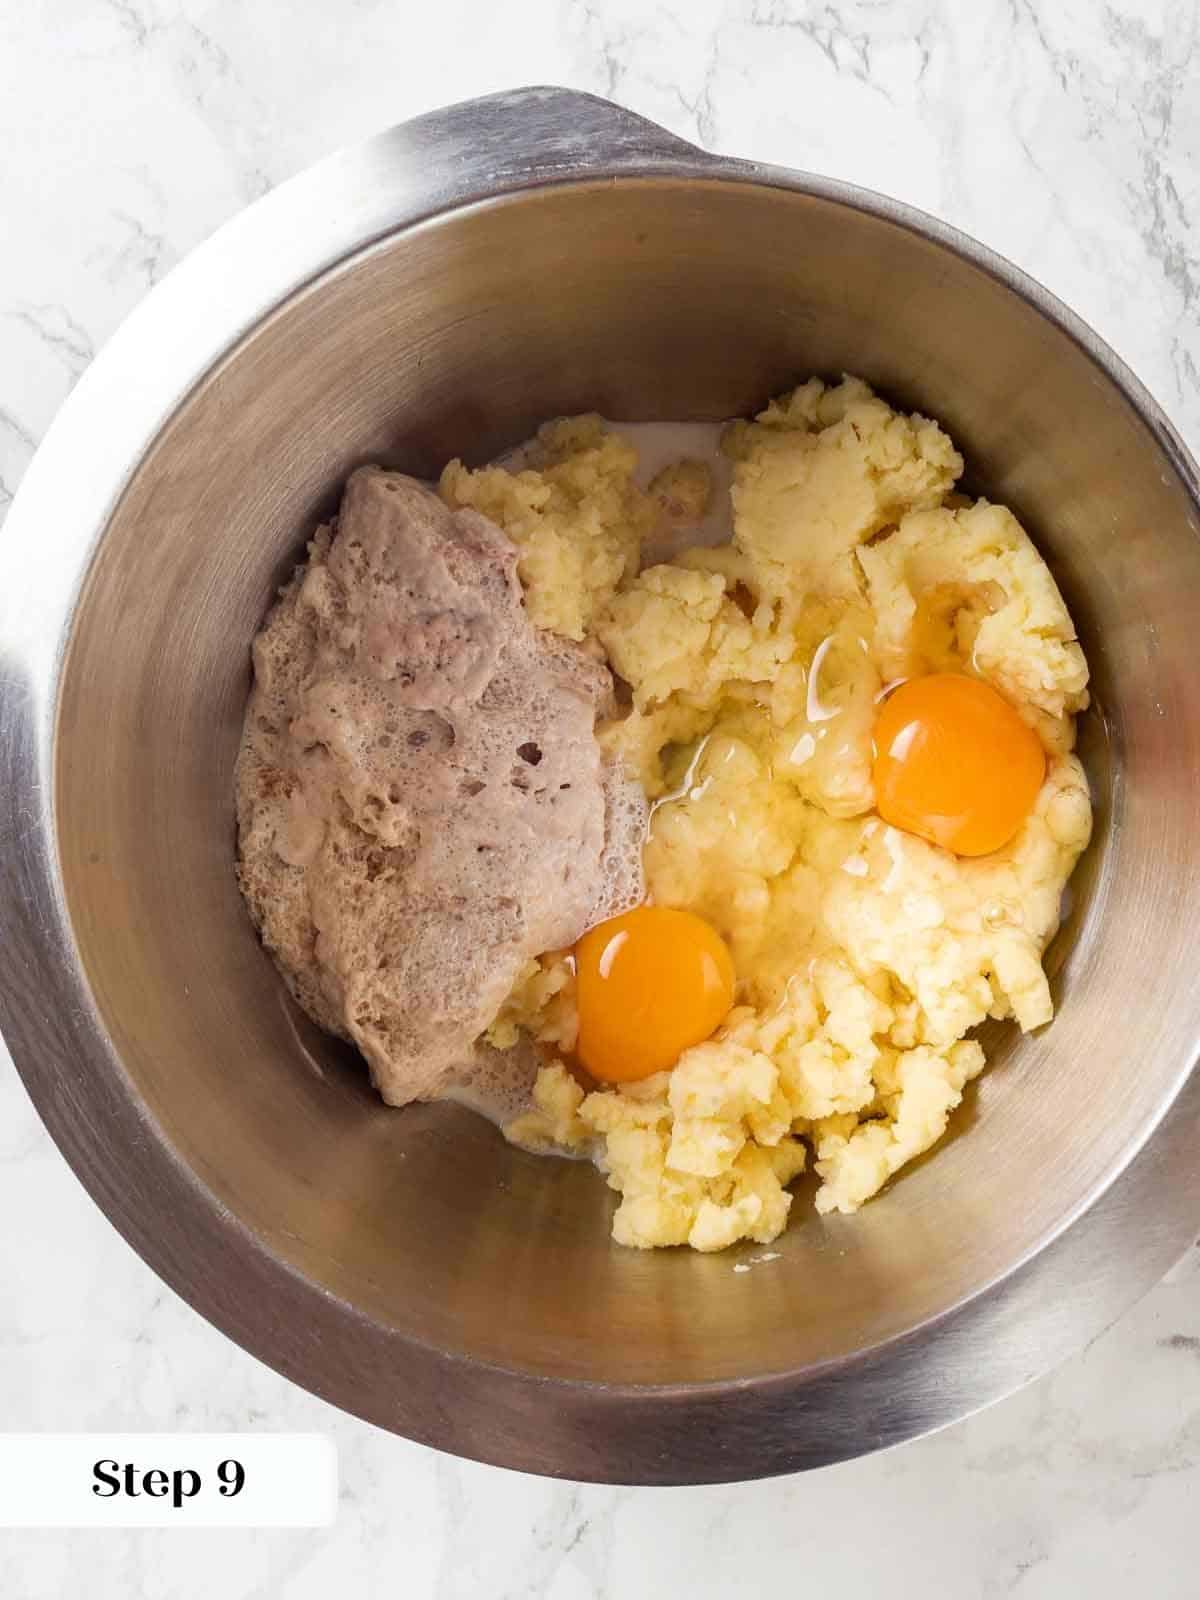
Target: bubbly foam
point(499, 1083)
point(422, 804)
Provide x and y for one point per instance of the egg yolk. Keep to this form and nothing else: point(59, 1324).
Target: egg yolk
point(649, 984)
point(955, 764)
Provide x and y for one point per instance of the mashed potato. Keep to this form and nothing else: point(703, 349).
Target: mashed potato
point(574, 513)
point(864, 956)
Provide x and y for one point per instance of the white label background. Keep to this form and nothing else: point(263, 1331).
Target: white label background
point(46, 1480)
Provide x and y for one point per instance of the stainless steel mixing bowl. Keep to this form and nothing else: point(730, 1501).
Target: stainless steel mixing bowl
point(439, 290)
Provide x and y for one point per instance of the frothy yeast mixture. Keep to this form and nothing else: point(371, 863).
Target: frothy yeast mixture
point(416, 758)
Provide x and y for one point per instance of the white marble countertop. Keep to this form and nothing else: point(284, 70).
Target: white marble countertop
point(1064, 134)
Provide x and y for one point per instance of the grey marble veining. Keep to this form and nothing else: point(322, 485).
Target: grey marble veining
point(1065, 134)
